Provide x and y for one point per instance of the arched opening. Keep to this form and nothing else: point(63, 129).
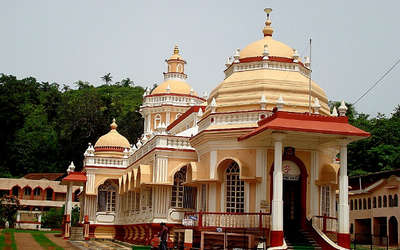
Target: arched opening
point(374, 203)
point(379, 201)
point(364, 204)
point(37, 193)
point(234, 187)
point(182, 196)
point(351, 204)
point(355, 205)
point(369, 203)
point(395, 201)
point(15, 191)
point(157, 121)
point(27, 193)
point(393, 231)
point(293, 182)
point(384, 201)
point(106, 198)
point(49, 194)
point(360, 204)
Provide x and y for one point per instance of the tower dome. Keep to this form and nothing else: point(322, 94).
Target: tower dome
point(271, 71)
point(112, 143)
point(175, 77)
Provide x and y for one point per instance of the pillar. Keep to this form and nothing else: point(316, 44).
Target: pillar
point(277, 201)
point(343, 206)
point(67, 211)
point(188, 241)
point(314, 189)
point(86, 227)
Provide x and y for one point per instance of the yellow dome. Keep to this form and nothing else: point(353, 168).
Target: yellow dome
point(176, 55)
point(175, 87)
point(112, 139)
point(276, 48)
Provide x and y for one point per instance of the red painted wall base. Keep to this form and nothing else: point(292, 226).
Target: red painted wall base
point(343, 240)
point(187, 246)
point(276, 238)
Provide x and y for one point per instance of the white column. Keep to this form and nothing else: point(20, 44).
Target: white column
point(261, 171)
point(212, 198)
point(149, 123)
point(68, 202)
point(314, 198)
point(167, 118)
point(343, 206)
point(277, 202)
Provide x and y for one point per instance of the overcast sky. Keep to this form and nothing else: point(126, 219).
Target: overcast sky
point(354, 42)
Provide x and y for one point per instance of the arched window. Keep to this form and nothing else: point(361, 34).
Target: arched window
point(390, 200)
point(15, 191)
point(27, 192)
point(360, 204)
point(379, 201)
point(182, 197)
point(157, 121)
point(49, 194)
point(106, 197)
point(37, 192)
point(369, 203)
point(234, 189)
point(355, 205)
point(364, 203)
point(351, 204)
point(374, 202)
point(395, 201)
point(179, 68)
point(384, 201)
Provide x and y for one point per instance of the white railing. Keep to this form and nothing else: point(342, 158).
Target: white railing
point(175, 76)
point(105, 162)
point(230, 220)
point(285, 66)
point(129, 217)
point(151, 101)
point(327, 225)
point(233, 118)
point(161, 141)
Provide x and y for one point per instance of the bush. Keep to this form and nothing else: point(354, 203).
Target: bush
point(53, 218)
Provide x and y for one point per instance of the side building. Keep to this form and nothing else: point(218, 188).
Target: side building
point(374, 208)
point(37, 192)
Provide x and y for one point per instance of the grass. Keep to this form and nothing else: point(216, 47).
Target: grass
point(3, 241)
point(44, 241)
point(30, 231)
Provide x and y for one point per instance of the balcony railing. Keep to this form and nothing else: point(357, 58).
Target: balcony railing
point(210, 220)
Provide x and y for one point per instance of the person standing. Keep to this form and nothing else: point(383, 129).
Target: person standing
point(163, 234)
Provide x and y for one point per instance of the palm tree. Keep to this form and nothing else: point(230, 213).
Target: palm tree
point(107, 78)
point(126, 82)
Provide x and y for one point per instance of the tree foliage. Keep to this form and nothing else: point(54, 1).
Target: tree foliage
point(45, 126)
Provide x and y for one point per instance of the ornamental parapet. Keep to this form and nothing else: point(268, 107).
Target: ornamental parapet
point(231, 118)
point(175, 76)
point(105, 162)
point(171, 99)
point(267, 64)
point(161, 142)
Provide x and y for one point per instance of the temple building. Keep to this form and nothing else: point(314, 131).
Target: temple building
point(255, 162)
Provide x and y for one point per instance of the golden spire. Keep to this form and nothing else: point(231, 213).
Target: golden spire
point(176, 50)
point(113, 125)
point(268, 30)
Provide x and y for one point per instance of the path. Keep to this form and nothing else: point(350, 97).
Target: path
point(99, 244)
point(61, 242)
point(25, 241)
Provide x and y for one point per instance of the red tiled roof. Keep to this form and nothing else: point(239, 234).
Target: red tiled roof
point(305, 122)
point(186, 114)
point(75, 177)
point(48, 176)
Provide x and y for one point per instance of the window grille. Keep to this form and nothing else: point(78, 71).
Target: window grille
point(182, 197)
point(234, 189)
point(325, 199)
point(106, 197)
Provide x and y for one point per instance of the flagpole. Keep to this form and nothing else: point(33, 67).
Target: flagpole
point(309, 84)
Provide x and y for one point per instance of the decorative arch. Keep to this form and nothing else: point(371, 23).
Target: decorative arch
point(157, 121)
point(224, 163)
point(107, 196)
point(27, 191)
point(49, 193)
point(15, 190)
point(303, 184)
point(393, 231)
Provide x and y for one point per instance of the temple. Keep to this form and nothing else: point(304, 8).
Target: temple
point(258, 160)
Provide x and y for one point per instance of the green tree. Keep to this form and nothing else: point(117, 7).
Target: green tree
point(107, 78)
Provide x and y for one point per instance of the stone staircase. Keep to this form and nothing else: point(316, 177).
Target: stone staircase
point(300, 239)
point(76, 234)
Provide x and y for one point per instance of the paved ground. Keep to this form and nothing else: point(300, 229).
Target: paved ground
point(61, 242)
point(99, 244)
point(25, 241)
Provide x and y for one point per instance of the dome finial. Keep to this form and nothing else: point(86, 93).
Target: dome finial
point(268, 30)
point(113, 125)
point(176, 50)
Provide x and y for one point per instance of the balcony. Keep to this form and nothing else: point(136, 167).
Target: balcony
point(213, 220)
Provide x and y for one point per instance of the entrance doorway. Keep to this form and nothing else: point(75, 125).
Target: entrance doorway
point(291, 195)
point(393, 231)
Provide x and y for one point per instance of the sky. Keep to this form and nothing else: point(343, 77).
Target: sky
point(353, 42)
